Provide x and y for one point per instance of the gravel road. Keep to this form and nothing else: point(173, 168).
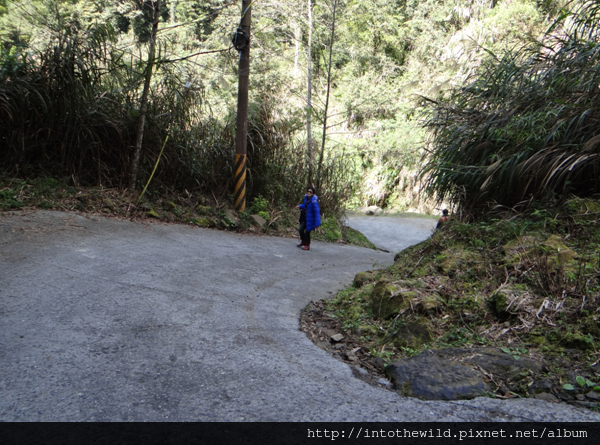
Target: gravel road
point(107, 320)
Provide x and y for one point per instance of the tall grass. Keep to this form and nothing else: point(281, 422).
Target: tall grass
point(277, 162)
point(71, 112)
point(526, 126)
point(54, 118)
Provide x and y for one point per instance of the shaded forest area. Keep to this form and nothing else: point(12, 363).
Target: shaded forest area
point(72, 77)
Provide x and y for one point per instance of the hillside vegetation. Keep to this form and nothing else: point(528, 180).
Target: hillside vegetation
point(528, 285)
point(514, 149)
point(72, 74)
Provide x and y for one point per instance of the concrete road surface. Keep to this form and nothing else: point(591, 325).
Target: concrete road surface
point(393, 234)
point(106, 320)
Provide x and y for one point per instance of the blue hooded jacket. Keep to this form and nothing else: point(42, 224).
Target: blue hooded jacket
point(313, 213)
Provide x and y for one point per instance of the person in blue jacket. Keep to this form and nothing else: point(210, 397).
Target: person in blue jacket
point(310, 217)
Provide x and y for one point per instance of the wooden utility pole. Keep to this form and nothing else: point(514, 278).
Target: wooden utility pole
point(241, 41)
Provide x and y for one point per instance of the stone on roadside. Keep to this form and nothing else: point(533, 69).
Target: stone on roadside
point(230, 216)
point(430, 304)
point(107, 202)
point(323, 345)
point(593, 395)
point(385, 383)
point(430, 376)
point(413, 335)
point(456, 373)
point(258, 221)
point(547, 397)
point(361, 371)
point(379, 363)
point(337, 337)
point(373, 210)
point(363, 278)
point(351, 356)
point(201, 221)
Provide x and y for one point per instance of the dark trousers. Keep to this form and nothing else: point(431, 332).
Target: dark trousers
point(304, 234)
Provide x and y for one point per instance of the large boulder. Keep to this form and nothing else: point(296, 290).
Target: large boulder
point(432, 375)
point(458, 373)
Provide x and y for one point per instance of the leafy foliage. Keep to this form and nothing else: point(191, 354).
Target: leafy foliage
point(88, 59)
point(525, 126)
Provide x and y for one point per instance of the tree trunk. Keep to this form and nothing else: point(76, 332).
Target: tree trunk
point(173, 11)
point(322, 154)
point(297, 37)
point(309, 147)
point(144, 100)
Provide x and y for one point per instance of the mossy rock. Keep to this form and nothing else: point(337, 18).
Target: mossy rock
point(582, 206)
point(203, 222)
point(561, 253)
point(538, 340)
point(413, 334)
point(517, 248)
point(576, 340)
point(529, 248)
point(362, 278)
point(107, 202)
point(430, 304)
point(458, 259)
point(204, 210)
point(386, 300)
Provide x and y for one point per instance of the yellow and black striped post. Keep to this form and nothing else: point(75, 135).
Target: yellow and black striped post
point(240, 182)
point(242, 44)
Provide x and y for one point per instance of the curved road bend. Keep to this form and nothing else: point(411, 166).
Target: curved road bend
point(106, 320)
